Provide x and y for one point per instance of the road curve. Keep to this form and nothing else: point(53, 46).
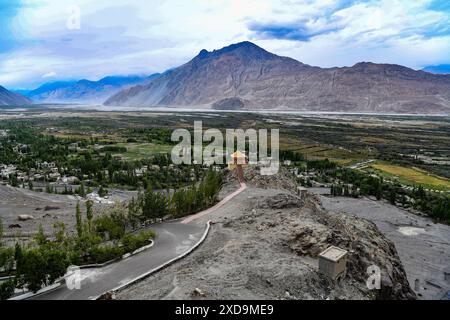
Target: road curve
point(173, 239)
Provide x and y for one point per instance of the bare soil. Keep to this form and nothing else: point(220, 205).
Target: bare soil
point(46, 209)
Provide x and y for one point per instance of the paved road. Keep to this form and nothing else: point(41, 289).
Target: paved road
point(173, 239)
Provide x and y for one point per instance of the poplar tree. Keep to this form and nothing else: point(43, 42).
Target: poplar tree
point(78, 219)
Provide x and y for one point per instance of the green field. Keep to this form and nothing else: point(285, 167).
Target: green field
point(411, 176)
point(137, 151)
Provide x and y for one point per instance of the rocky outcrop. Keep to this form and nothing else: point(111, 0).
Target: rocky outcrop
point(310, 230)
point(307, 229)
point(366, 245)
point(244, 75)
point(229, 104)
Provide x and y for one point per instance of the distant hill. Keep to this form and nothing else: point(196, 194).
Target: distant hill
point(439, 69)
point(245, 76)
point(84, 91)
point(8, 98)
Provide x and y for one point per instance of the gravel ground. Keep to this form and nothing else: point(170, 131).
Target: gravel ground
point(423, 246)
point(46, 209)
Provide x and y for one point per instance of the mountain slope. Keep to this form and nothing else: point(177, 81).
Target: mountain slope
point(246, 76)
point(8, 98)
point(84, 91)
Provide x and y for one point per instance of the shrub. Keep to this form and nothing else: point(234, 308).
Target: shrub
point(102, 254)
point(31, 269)
point(132, 242)
point(6, 259)
point(1, 231)
point(7, 289)
point(40, 266)
point(109, 227)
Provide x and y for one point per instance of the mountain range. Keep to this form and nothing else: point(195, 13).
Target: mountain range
point(245, 76)
point(8, 98)
point(438, 69)
point(83, 91)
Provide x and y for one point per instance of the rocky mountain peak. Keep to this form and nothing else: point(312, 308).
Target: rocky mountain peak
point(245, 76)
point(245, 50)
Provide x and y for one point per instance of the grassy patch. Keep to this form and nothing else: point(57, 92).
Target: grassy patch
point(412, 176)
point(136, 151)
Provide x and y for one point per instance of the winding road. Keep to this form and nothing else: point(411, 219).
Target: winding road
point(173, 239)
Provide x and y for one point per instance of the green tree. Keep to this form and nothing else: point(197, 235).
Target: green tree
point(7, 289)
point(379, 191)
point(79, 223)
point(441, 210)
point(102, 192)
point(155, 205)
point(56, 264)
point(40, 266)
point(17, 251)
point(211, 184)
point(392, 196)
point(89, 212)
point(59, 231)
point(13, 180)
point(1, 231)
point(6, 259)
point(40, 237)
point(81, 192)
point(31, 268)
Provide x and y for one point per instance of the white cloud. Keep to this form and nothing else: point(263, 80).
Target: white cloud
point(49, 75)
point(134, 36)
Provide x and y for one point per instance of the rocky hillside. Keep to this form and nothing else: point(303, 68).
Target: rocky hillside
point(84, 91)
point(264, 245)
point(245, 76)
point(8, 98)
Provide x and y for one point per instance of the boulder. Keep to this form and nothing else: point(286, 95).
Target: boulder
point(198, 293)
point(25, 217)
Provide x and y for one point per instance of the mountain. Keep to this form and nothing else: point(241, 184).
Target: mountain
point(245, 76)
point(84, 91)
point(439, 69)
point(8, 98)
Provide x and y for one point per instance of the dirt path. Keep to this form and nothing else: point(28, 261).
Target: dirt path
point(193, 217)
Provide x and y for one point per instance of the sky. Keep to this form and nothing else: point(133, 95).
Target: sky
point(51, 40)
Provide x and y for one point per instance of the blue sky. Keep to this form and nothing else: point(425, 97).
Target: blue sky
point(147, 36)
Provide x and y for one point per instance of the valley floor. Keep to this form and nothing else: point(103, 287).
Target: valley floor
point(45, 209)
